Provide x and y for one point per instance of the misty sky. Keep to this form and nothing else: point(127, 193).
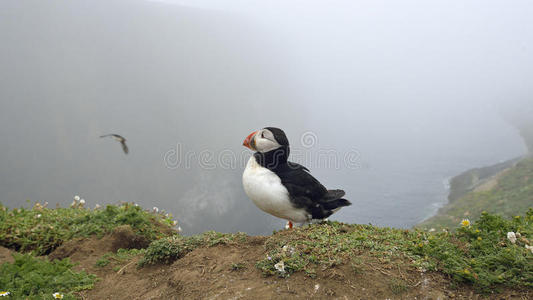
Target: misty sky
point(415, 88)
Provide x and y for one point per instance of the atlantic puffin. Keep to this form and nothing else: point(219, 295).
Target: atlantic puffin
point(118, 138)
point(282, 188)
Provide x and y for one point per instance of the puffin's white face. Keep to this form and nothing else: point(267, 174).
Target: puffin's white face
point(262, 141)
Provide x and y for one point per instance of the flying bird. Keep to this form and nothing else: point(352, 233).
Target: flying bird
point(119, 138)
point(282, 188)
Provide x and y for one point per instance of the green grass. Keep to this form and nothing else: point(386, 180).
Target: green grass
point(41, 229)
point(102, 262)
point(512, 195)
point(169, 249)
point(398, 286)
point(479, 255)
point(238, 266)
point(329, 244)
point(326, 245)
point(29, 277)
point(120, 257)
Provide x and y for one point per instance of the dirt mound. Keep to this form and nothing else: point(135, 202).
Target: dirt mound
point(86, 251)
point(124, 237)
point(228, 272)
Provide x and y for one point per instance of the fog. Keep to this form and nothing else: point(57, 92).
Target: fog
point(384, 99)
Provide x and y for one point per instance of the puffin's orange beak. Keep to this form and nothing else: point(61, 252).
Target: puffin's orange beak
point(248, 141)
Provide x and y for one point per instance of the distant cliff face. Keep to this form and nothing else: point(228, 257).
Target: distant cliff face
point(468, 181)
point(505, 189)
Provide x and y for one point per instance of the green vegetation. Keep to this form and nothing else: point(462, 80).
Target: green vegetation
point(29, 277)
point(479, 254)
point(120, 257)
point(332, 243)
point(398, 286)
point(171, 248)
point(511, 195)
point(307, 247)
point(238, 266)
point(467, 181)
point(41, 229)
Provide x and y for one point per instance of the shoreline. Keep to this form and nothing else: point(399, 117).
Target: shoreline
point(471, 180)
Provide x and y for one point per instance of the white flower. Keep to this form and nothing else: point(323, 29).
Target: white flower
point(288, 249)
point(269, 258)
point(465, 222)
point(97, 206)
point(38, 216)
point(4, 294)
point(511, 236)
point(179, 228)
point(57, 295)
point(135, 204)
point(280, 266)
point(174, 223)
point(155, 209)
point(76, 198)
point(530, 248)
point(82, 201)
point(432, 230)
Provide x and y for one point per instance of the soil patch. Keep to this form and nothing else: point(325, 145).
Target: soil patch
point(86, 251)
point(229, 272)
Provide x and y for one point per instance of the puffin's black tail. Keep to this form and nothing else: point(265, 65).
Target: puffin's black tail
point(333, 199)
point(334, 195)
point(337, 203)
point(331, 202)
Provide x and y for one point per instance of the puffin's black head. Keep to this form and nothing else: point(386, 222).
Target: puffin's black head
point(266, 139)
point(271, 146)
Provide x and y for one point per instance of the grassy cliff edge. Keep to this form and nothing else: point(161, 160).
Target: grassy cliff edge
point(322, 259)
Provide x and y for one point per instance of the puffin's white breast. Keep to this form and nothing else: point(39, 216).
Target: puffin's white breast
point(265, 189)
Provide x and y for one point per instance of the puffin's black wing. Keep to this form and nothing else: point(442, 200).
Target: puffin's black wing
point(294, 165)
point(307, 192)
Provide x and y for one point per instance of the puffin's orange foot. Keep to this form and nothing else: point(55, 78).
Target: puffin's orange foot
point(288, 225)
